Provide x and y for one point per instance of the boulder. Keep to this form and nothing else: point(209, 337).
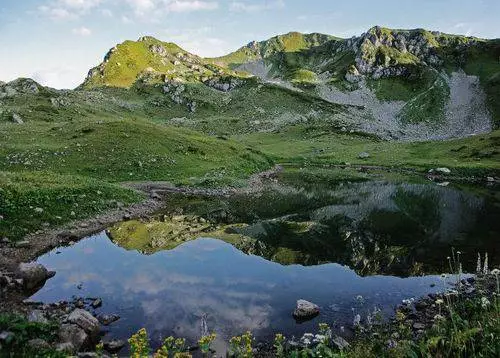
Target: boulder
point(305, 310)
point(37, 316)
point(85, 321)
point(34, 274)
point(38, 344)
point(363, 155)
point(114, 345)
point(75, 335)
point(107, 319)
point(340, 342)
point(443, 170)
point(65, 347)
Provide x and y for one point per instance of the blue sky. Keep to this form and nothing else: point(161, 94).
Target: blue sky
point(57, 41)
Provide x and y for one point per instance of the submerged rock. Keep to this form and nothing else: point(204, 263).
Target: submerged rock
point(107, 319)
point(34, 274)
point(305, 310)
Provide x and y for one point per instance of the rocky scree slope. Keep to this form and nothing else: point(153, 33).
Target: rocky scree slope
point(396, 84)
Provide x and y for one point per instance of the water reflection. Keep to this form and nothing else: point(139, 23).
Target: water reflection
point(167, 292)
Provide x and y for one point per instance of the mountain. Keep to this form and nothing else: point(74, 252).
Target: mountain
point(394, 84)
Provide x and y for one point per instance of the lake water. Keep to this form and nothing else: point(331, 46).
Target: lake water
point(349, 247)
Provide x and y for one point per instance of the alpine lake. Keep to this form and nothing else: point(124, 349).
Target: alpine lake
point(349, 241)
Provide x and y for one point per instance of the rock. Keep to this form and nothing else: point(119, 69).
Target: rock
point(490, 179)
point(418, 326)
point(37, 316)
point(85, 320)
point(305, 310)
point(34, 274)
point(107, 319)
point(6, 336)
point(363, 155)
point(73, 334)
point(96, 303)
point(443, 170)
point(16, 118)
point(114, 345)
point(22, 243)
point(340, 342)
point(38, 344)
point(444, 183)
point(89, 355)
point(65, 347)
point(127, 217)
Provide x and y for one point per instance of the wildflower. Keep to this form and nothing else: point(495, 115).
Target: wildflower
point(478, 265)
point(485, 267)
point(495, 272)
point(319, 338)
point(357, 320)
point(391, 343)
point(359, 298)
point(438, 317)
point(439, 301)
point(485, 302)
point(444, 276)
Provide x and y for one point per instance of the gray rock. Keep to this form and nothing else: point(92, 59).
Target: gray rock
point(22, 243)
point(97, 303)
point(107, 319)
point(34, 274)
point(490, 179)
point(363, 155)
point(443, 170)
point(65, 347)
point(418, 325)
point(16, 118)
point(37, 316)
point(6, 336)
point(38, 344)
point(85, 320)
point(305, 310)
point(340, 342)
point(73, 334)
point(114, 345)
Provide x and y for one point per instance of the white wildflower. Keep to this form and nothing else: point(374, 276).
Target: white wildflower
point(485, 268)
point(357, 320)
point(438, 317)
point(485, 302)
point(495, 272)
point(478, 265)
point(439, 301)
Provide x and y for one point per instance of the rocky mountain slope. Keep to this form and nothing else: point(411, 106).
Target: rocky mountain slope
point(394, 84)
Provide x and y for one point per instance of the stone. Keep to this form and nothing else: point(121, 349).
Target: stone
point(363, 155)
point(22, 244)
point(37, 316)
point(85, 320)
point(114, 345)
point(107, 319)
point(96, 303)
point(16, 118)
point(418, 326)
point(73, 334)
point(443, 170)
point(305, 310)
point(340, 342)
point(6, 336)
point(490, 179)
point(38, 344)
point(34, 274)
point(65, 347)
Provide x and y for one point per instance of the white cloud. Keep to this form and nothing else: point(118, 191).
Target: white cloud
point(141, 7)
point(68, 9)
point(187, 6)
point(82, 31)
point(59, 77)
point(126, 20)
point(106, 13)
point(238, 6)
point(199, 40)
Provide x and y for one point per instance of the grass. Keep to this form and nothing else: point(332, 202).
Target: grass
point(477, 154)
point(23, 331)
point(33, 200)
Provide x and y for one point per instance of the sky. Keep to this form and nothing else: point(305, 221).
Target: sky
point(56, 42)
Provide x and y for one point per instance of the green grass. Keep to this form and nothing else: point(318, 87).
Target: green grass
point(23, 332)
point(478, 154)
point(33, 200)
point(126, 150)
